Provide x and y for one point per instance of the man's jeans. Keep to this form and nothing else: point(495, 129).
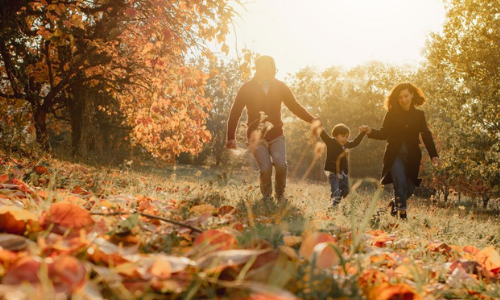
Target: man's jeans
point(264, 152)
point(339, 185)
point(403, 185)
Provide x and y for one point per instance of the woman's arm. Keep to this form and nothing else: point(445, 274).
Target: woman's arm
point(383, 132)
point(427, 138)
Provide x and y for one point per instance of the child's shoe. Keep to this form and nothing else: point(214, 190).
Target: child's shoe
point(392, 208)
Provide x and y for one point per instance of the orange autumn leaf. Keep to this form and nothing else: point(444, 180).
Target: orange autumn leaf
point(326, 255)
point(8, 257)
point(470, 249)
point(489, 259)
point(380, 239)
point(16, 220)
point(203, 208)
point(161, 268)
point(4, 178)
point(227, 209)
point(67, 273)
point(372, 277)
point(20, 185)
point(307, 248)
point(66, 215)
point(24, 270)
point(39, 169)
point(219, 260)
point(213, 240)
point(386, 291)
point(80, 191)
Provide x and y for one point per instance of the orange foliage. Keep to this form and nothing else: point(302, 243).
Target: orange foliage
point(65, 215)
point(16, 220)
point(214, 240)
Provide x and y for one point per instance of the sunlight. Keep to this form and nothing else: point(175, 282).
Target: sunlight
point(322, 33)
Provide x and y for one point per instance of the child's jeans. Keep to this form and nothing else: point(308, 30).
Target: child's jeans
point(339, 187)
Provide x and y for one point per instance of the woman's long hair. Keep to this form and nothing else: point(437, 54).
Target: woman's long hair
point(391, 102)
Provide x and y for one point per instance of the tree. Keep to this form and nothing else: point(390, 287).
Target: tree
point(463, 66)
point(135, 51)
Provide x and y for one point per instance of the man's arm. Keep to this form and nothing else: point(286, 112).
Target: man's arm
point(294, 106)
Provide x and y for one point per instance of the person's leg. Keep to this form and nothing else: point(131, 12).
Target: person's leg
point(334, 188)
point(410, 188)
point(344, 186)
point(277, 149)
point(399, 181)
point(261, 154)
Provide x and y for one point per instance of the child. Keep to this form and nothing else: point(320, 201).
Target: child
point(337, 159)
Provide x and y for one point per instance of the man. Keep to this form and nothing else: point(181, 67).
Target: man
point(264, 94)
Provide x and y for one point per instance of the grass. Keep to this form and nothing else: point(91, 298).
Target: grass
point(308, 210)
point(308, 201)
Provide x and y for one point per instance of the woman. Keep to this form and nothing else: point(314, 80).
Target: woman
point(401, 128)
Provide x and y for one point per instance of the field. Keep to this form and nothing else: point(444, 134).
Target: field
point(184, 232)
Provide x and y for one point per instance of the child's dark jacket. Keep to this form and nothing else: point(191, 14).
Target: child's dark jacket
point(334, 149)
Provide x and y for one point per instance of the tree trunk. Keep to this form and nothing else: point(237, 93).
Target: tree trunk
point(84, 137)
point(446, 192)
point(42, 137)
point(486, 199)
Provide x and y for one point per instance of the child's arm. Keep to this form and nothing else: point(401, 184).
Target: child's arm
point(356, 140)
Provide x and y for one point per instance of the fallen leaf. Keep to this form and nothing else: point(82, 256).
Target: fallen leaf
point(16, 220)
point(13, 242)
point(214, 240)
point(66, 215)
point(219, 260)
point(307, 248)
point(489, 259)
point(387, 291)
point(326, 256)
point(203, 208)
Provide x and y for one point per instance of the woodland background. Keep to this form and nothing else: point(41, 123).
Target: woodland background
point(114, 82)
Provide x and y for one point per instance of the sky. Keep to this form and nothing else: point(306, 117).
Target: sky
point(324, 33)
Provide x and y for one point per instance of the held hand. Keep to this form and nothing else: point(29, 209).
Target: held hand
point(231, 144)
point(365, 128)
point(436, 161)
point(316, 127)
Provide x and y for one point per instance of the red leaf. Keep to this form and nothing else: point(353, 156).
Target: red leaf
point(65, 216)
point(15, 220)
point(213, 240)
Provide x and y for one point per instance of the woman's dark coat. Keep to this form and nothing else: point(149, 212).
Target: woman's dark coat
point(404, 126)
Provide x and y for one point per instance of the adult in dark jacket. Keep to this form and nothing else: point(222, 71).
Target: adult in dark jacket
point(402, 126)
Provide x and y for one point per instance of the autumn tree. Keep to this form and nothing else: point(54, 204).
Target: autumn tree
point(133, 51)
point(463, 66)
